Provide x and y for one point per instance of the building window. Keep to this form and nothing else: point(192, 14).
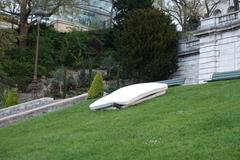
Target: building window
point(217, 12)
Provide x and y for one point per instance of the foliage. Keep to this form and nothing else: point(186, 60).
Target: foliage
point(108, 37)
point(193, 23)
point(18, 63)
point(3, 95)
point(94, 45)
point(12, 98)
point(82, 50)
point(51, 46)
point(8, 41)
point(18, 12)
point(123, 7)
point(149, 51)
point(97, 87)
point(75, 50)
point(20, 72)
point(66, 83)
point(109, 63)
point(111, 87)
point(4, 79)
point(57, 88)
point(176, 126)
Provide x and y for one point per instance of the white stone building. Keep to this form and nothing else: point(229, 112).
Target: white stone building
point(214, 46)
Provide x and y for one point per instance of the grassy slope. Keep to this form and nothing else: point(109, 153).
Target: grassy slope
point(192, 122)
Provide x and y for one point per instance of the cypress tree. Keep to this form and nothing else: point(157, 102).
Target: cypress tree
point(147, 45)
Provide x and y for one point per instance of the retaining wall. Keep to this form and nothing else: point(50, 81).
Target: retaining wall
point(25, 106)
point(40, 110)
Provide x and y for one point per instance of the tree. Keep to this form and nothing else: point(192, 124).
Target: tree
point(21, 13)
point(17, 63)
point(123, 7)
point(182, 11)
point(148, 45)
point(209, 6)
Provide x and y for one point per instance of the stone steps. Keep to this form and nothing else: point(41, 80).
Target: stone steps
point(16, 117)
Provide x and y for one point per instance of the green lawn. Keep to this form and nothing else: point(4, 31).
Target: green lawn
point(199, 122)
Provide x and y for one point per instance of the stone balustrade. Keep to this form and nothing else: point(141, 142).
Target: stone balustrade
point(219, 21)
point(228, 18)
point(188, 46)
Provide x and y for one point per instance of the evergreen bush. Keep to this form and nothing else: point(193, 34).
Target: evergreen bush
point(12, 98)
point(97, 87)
point(111, 88)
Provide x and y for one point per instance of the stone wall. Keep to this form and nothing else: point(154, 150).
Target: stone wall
point(25, 106)
point(13, 118)
point(219, 45)
point(219, 53)
point(188, 61)
point(215, 48)
point(188, 67)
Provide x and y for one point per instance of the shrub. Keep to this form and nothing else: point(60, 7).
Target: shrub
point(12, 98)
point(21, 72)
point(111, 87)
point(97, 86)
point(124, 7)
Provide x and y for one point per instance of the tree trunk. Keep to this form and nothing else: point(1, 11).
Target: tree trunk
point(118, 77)
point(23, 25)
point(23, 31)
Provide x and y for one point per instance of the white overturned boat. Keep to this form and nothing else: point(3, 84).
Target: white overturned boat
point(130, 95)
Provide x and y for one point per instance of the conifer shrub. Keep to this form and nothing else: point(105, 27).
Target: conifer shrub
point(97, 87)
point(11, 98)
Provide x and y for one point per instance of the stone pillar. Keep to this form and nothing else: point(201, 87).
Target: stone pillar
point(208, 57)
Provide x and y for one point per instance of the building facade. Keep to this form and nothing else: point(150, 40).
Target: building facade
point(213, 47)
point(85, 15)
